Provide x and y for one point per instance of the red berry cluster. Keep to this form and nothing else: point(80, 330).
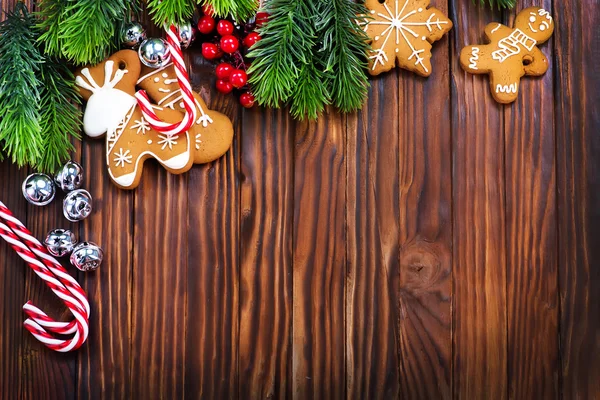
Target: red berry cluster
point(224, 46)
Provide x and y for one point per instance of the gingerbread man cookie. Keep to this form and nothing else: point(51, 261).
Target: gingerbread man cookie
point(511, 53)
point(401, 31)
point(112, 109)
point(211, 141)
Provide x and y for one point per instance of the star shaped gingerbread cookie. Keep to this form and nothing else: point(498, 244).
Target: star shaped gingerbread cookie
point(401, 33)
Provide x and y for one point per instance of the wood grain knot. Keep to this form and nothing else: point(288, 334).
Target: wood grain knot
point(420, 266)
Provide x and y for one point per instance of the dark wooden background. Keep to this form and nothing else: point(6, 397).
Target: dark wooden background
point(435, 245)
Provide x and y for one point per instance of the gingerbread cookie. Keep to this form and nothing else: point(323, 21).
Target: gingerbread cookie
point(212, 132)
point(511, 53)
point(112, 109)
point(401, 32)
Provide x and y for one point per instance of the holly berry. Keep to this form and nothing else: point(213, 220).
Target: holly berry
point(207, 9)
point(223, 71)
point(223, 86)
point(247, 100)
point(251, 39)
point(224, 27)
point(238, 78)
point(206, 24)
point(229, 44)
point(210, 51)
point(261, 18)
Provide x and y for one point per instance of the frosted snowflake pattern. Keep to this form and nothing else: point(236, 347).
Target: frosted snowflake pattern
point(122, 158)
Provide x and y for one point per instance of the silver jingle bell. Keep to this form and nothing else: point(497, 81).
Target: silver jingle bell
point(154, 53)
point(77, 205)
point(133, 34)
point(60, 242)
point(38, 189)
point(69, 177)
point(186, 35)
point(87, 256)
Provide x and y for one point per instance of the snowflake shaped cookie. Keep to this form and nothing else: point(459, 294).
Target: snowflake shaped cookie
point(402, 31)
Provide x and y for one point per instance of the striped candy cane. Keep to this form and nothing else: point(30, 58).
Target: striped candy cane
point(57, 278)
point(186, 90)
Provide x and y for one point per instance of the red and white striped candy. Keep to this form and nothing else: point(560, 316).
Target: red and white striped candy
point(186, 91)
point(57, 278)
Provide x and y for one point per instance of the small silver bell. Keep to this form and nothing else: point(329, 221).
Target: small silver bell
point(38, 189)
point(133, 34)
point(154, 53)
point(87, 256)
point(60, 242)
point(77, 205)
point(186, 35)
point(69, 177)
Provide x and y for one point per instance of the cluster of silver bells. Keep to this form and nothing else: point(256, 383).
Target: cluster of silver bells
point(40, 189)
point(85, 256)
point(154, 52)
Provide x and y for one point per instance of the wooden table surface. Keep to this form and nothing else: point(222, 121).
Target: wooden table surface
point(435, 245)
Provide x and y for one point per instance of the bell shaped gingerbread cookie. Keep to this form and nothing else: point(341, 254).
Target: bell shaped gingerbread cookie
point(402, 31)
point(511, 53)
point(112, 110)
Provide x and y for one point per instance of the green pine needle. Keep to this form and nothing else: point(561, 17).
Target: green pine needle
point(309, 97)
point(499, 3)
point(60, 116)
point(88, 28)
point(51, 18)
point(240, 10)
point(171, 11)
point(20, 60)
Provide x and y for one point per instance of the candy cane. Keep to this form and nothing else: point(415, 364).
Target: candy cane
point(55, 277)
point(186, 90)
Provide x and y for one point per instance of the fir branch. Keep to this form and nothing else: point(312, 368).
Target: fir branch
point(20, 60)
point(499, 3)
point(286, 45)
point(88, 28)
point(60, 116)
point(343, 53)
point(50, 19)
point(171, 11)
point(240, 10)
point(309, 96)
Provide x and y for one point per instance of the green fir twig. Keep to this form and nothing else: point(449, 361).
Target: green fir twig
point(498, 3)
point(171, 11)
point(240, 10)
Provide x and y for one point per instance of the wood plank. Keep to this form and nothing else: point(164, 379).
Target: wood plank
point(578, 156)
point(479, 244)
point(267, 204)
point(426, 229)
point(319, 259)
point(12, 288)
point(372, 278)
point(532, 287)
point(158, 304)
point(47, 374)
point(103, 367)
point(211, 370)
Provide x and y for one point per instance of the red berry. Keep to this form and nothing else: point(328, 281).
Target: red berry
point(251, 39)
point(224, 27)
point(206, 24)
point(238, 78)
point(223, 71)
point(229, 44)
point(224, 86)
point(247, 100)
point(207, 9)
point(210, 51)
point(261, 18)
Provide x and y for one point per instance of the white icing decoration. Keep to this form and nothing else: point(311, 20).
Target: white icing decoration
point(496, 28)
point(149, 141)
point(395, 22)
point(474, 58)
point(181, 105)
point(157, 79)
point(165, 75)
point(512, 88)
point(122, 158)
point(198, 141)
point(511, 45)
point(167, 140)
point(141, 125)
point(164, 90)
point(107, 106)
